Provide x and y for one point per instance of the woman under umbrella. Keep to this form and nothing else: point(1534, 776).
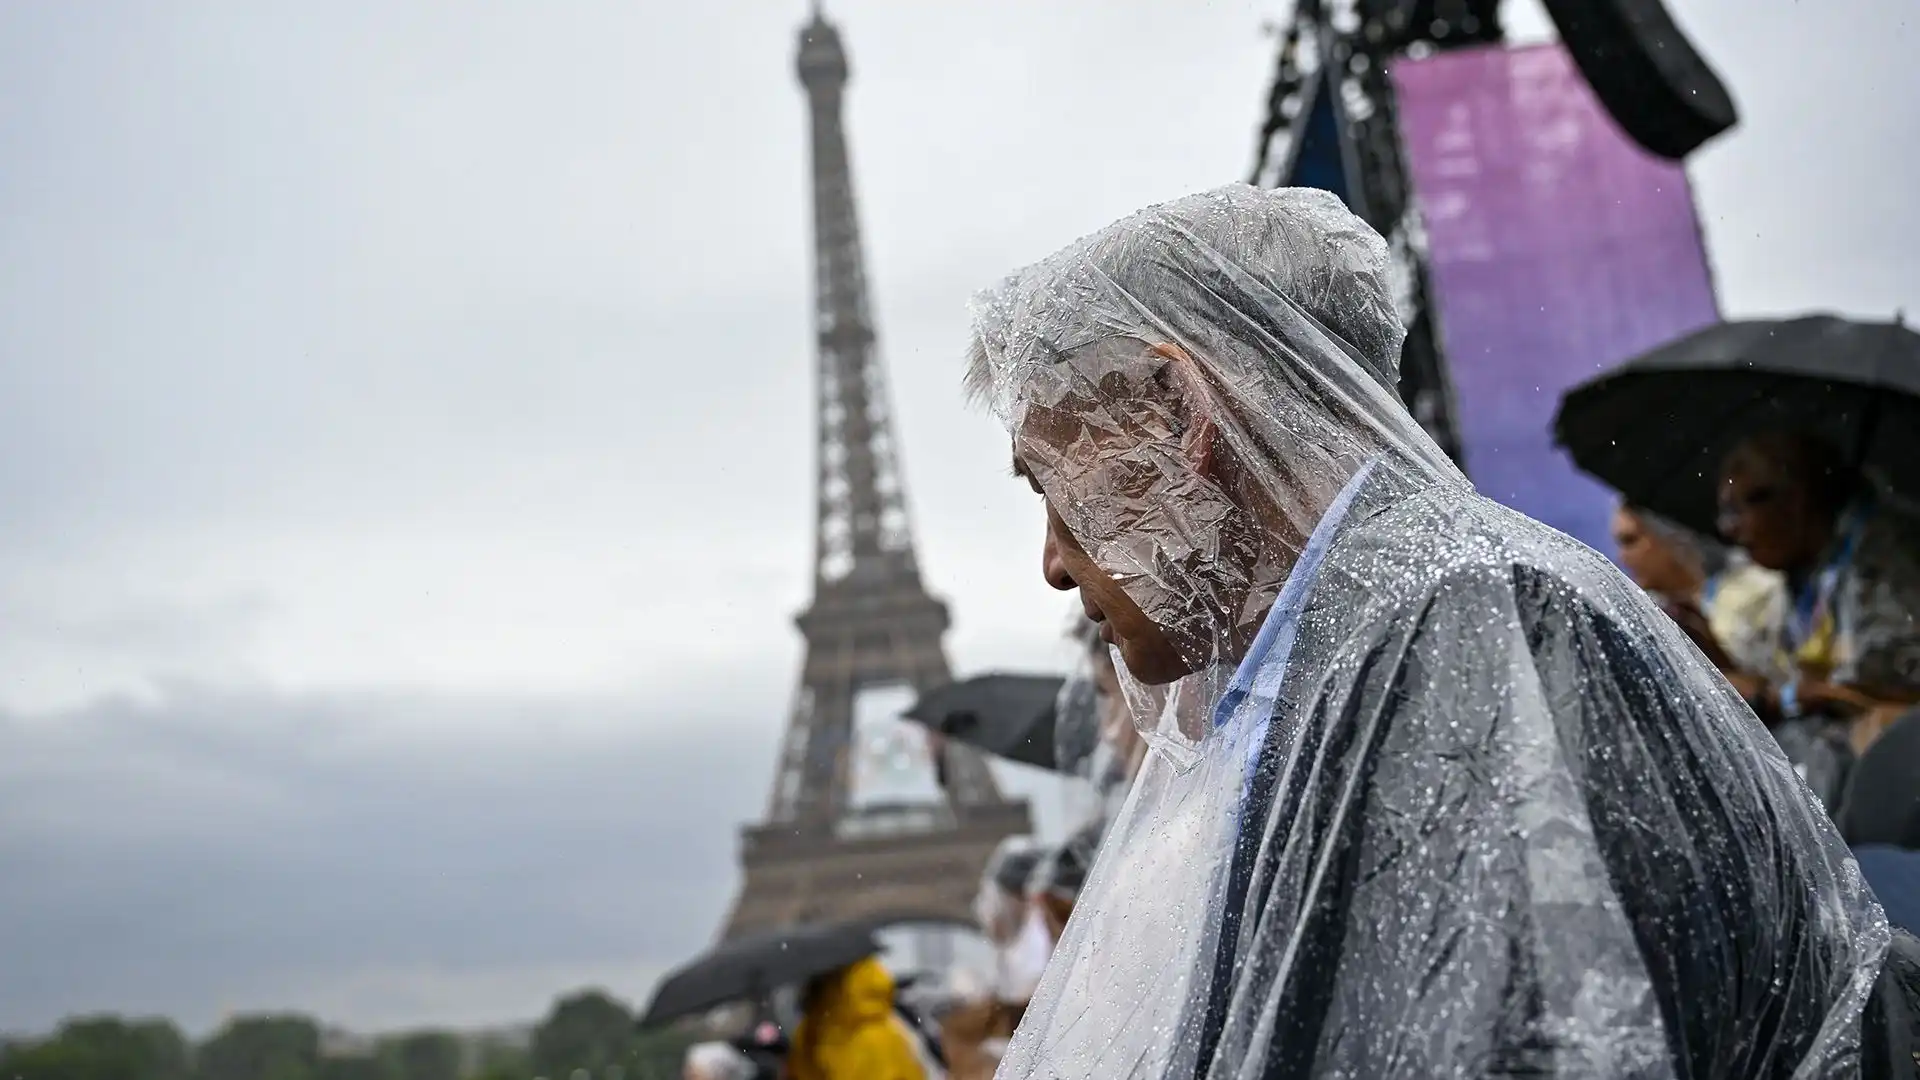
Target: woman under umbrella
point(1797, 439)
point(1848, 643)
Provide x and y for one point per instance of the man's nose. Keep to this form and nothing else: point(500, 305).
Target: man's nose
point(1052, 567)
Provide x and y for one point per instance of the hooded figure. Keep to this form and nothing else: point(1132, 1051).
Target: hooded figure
point(852, 1031)
point(1434, 791)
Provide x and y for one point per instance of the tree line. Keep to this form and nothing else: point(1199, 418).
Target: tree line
point(585, 1036)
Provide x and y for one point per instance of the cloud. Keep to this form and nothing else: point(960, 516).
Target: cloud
point(222, 851)
point(374, 859)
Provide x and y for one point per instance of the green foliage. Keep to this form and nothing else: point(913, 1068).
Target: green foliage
point(278, 1047)
point(659, 1054)
point(425, 1055)
point(588, 1030)
point(504, 1071)
point(156, 1047)
point(55, 1060)
point(587, 1033)
point(355, 1067)
point(101, 1048)
point(502, 1062)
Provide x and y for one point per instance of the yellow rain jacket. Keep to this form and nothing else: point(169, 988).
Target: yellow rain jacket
point(851, 1032)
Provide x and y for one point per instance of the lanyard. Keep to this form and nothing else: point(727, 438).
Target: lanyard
point(1811, 602)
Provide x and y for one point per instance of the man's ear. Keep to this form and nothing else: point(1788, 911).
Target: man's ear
point(1200, 435)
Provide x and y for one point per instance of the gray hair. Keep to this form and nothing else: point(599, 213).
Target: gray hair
point(1301, 244)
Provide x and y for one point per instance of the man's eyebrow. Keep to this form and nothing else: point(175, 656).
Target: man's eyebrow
point(1018, 470)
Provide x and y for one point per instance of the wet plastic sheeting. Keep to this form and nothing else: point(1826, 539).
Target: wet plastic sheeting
point(1479, 809)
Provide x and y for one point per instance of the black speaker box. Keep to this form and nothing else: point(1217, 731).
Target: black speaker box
point(1650, 78)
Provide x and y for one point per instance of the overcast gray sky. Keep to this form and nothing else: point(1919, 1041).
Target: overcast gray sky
point(404, 436)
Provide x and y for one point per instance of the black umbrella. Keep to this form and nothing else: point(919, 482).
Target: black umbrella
point(1008, 716)
point(1656, 427)
point(754, 966)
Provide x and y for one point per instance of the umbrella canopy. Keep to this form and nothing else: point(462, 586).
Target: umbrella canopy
point(1008, 716)
point(1657, 427)
point(752, 966)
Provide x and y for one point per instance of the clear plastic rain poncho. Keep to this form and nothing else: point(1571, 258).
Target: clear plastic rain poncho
point(1445, 795)
point(1076, 724)
point(1062, 872)
point(717, 1061)
point(1086, 744)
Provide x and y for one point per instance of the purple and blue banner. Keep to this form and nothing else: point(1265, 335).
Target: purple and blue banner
point(1557, 249)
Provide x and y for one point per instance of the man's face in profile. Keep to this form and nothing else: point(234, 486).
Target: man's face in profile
point(1144, 647)
point(1103, 450)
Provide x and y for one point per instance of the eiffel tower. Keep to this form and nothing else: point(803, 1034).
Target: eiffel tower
point(872, 623)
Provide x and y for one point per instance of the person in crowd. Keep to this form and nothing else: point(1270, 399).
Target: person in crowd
point(1685, 574)
point(1724, 603)
point(1882, 800)
point(851, 1030)
point(929, 1049)
point(1847, 642)
point(1894, 873)
point(1012, 923)
point(1434, 790)
point(765, 1046)
point(975, 1034)
point(718, 1061)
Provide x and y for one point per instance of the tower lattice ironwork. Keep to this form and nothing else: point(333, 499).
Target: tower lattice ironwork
point(871, 623)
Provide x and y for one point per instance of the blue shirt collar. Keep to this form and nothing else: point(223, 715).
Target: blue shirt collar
point(1266, 659)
